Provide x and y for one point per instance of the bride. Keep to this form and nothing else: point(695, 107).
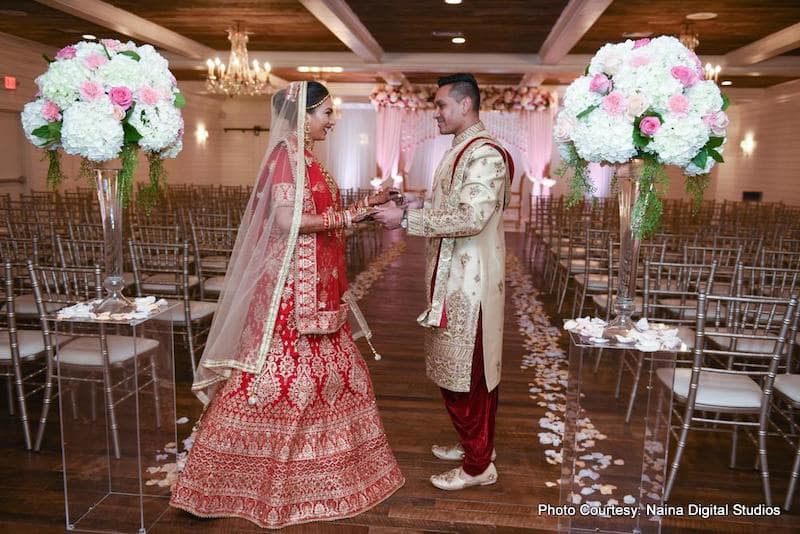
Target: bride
point(291, 433)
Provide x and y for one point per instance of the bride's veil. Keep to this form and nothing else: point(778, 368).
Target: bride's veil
point(263, 251)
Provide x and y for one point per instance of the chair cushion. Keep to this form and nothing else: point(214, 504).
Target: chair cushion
point(789, 386)
point(690, 309)
point(26, 305)
point(762, 346)
point(198, 309)
point(85, 351)
point(30, 344)
point(215, 263)
point(214, 284)
point(715, 390)
point(165, 283)
point(596, 281)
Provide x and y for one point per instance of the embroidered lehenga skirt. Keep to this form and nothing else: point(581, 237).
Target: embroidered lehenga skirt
point(312, 446)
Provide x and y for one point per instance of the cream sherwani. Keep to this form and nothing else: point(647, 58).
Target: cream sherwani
point(465, 259)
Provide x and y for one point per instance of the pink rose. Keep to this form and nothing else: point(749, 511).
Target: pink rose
point(51, 112)
point(685, 75)
point(148, 96)
point(600, 84)
point(717, 122)
point(639, 60)
point(638, 43)
point(95, 60)
point(121, 96)
point(637, 104)
point(678, 104)
point(119, 113)
point(111, 44)
point(613, 103)
point(68, 52)
point(90, 91)
point(649, 126)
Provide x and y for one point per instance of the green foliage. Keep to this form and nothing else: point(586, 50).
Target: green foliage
point(149, 195)
point(128, 156)
point(648, 209)
point(180, 100)
point(579, 185)
point(696, 187)
point(586, 111)
point(55, 174)
point(131, 54)
point(48, 58)
point(725, 101)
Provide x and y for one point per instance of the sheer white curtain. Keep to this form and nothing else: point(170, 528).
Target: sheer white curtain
point(600, 176)
point(349, 152)
point(426, 158)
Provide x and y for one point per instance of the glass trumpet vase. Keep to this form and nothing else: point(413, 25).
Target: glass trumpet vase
point(111, 213)
point(628, 190)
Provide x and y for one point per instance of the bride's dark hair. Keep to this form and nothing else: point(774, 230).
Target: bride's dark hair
point(316, 93)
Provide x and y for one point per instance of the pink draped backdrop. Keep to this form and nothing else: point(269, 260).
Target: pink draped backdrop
point(387, 140)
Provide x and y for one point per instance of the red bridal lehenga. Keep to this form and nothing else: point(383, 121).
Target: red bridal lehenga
point(302, 440)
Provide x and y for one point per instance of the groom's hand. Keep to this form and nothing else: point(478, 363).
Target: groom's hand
point(389, 215)
point(413, 201)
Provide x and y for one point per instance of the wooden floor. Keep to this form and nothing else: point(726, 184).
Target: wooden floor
point(31, 498)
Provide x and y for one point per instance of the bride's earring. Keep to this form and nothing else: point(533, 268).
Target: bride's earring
point(309, 143)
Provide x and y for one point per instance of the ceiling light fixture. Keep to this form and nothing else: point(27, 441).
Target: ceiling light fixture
point(306, 68)
point(688, 37)
point(452, 2)
point(636, 35)
point(701, 15)
point(726, 82)
point(458, 40)
point(238, 77)
point(89, 37)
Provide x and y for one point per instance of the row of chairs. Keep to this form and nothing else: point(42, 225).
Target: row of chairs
point(731, 295)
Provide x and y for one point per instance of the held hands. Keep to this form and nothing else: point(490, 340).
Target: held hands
point(383, 196)
point(390, 215)
point(413, 201)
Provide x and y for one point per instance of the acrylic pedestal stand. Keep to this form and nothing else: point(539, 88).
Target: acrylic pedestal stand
point(109, 441)
point(640, 444)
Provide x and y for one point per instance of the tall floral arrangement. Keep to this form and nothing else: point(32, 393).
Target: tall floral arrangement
point(107, 100)
point(643, 99)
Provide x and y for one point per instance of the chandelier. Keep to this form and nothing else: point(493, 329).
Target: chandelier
point(238, 77)
point(688, 37)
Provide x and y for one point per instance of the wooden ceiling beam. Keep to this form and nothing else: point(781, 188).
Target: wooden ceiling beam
point(575, 20)
point(337, 16)
point(765, 48)
point(126, 23)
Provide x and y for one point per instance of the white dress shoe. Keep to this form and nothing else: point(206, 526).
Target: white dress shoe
point(457, 479)
point(454, 453)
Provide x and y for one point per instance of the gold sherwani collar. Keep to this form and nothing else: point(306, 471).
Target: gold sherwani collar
point(472, 131)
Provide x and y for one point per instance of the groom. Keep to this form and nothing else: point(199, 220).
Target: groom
point(466, 278)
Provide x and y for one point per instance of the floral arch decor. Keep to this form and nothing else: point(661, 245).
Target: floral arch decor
point(493, 98)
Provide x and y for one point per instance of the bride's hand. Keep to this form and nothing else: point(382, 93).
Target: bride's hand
point(383, 196)
point(362, 215)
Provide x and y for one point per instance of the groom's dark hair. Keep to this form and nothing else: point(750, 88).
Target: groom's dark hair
point(464, 84)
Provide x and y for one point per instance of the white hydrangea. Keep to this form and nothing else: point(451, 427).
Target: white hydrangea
point(610, 58)
point(704, 97)
point(159, 125)
point(651, 80)
point(85, 49)
point(31, 119)
point(603, 137)
point(123, 71)
point(154, 66)
point(679, 139)
point(578, 97)
point(694, 170)
point(91, 131)
point(62, 80)
point(173, 150)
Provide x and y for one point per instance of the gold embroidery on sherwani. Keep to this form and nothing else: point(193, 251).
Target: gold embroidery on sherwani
point(465, 260)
